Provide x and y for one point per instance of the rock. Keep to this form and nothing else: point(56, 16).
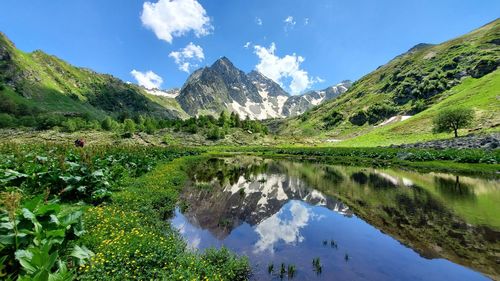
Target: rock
point(489, 142)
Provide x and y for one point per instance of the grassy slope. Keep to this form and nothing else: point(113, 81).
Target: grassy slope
point(169, 103)
point(54, 85)
point(414, 70)
point(479, 94)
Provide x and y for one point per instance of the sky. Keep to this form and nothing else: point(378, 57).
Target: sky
point(300, 44)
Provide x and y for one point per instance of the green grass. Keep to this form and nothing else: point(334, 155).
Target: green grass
point(423, 74)
point(478, 94)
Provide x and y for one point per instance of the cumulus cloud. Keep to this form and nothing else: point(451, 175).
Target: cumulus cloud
point(188, 57)
point(258, 21)
point(278, 228)
point(279, 68)
point(289, 22)
point(247, 45)
point(148, 80)
point(174, 18)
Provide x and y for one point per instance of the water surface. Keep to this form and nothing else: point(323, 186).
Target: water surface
point(362, 223)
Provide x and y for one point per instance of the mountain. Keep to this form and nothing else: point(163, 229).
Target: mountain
point(297, 105)
point(409, 86)
point(38, 82)
point(222, 86)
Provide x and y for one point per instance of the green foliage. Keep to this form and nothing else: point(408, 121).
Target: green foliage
point(108, 124)
point(215, 133)
point(359, 118)
point(35, 236)
point(7, 121)
point(129, 126)
point(381, 154)
point(70, 173)
point(418, 106)
point(378, 112)
point(450, 120)
point(333, 119)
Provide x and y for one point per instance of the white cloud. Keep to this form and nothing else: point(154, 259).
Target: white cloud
point(149, 79)
point(289, 22)
point(318, 79)
point(278, 68)
point(258, 21)
point(247, 45)
point(187, 57)
point(306, 21)
point(276, 228)
point(169, 18)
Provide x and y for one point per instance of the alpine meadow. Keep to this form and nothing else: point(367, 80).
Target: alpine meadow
point(249, 140)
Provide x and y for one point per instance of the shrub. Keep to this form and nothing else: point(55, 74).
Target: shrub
point(108, 124)
point(378, 112)
point(332, 119)
point(7, 121)
point(215, 133)
point(418, 106)
point(70, 125)
point(359, 118)
point(129, 126)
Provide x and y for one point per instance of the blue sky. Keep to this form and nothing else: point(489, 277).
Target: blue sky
point(300, 44)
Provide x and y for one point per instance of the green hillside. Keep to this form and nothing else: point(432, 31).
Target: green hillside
point(38, 82)
point(481, 94)
point(416, 81)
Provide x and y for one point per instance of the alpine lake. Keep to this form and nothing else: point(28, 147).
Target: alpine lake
point(309, 221)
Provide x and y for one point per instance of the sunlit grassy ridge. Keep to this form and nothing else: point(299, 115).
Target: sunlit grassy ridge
point(481, 95)
point(51, 84)
point(410, 83)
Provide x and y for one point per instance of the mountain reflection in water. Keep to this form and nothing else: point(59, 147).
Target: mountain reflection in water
point(392, 224)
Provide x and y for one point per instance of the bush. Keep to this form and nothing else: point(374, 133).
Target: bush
point(378, 112)
point(108, 124)
point(70, 126)
point(129, 126)
point(215, 133)
point(332, 119)
point(7, 121)
point(418, 106)
point(45, 122)
point(359, 118)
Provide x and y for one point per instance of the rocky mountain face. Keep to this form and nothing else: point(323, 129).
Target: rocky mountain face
point(251, 200)
point(222, 86)
point(297, 105)
point(53, 85)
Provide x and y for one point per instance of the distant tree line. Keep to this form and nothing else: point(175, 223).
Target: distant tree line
point(14, 115)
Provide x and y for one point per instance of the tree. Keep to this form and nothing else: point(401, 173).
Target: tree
point(222, 119)
point(107, 124)
point(450, 120)
point(129, 126)
point(215, 133)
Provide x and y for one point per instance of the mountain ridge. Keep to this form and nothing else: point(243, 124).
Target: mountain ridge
point(222, 86)
point(406, 85)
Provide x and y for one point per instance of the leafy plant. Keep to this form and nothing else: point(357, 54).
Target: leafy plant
point(34, 237)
